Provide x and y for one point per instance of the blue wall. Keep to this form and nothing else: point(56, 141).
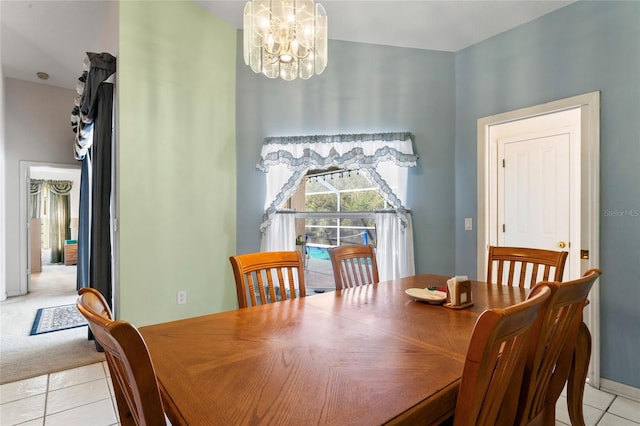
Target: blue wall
point(585, 47)
point(439, 96)
point(365, 88)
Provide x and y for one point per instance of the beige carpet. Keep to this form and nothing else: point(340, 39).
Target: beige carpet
point(23, 356)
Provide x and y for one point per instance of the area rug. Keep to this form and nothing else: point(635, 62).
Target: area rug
point(57, 318)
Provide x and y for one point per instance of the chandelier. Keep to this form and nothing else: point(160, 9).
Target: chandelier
point(285, 38)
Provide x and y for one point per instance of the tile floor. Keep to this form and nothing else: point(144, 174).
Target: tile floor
point(81, 397)
point(602, 409)
point(84, 397)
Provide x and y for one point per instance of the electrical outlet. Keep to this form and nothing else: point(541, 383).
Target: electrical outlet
point(181, 297)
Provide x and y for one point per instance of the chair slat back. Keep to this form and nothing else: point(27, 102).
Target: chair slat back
point(267, 277)
point(524, 267)
point(551, 347)
point(132, 373)
point(494, 358)
point(353, 266)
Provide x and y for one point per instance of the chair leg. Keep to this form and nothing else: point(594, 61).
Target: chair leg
point(578, 375)
point(124, 413)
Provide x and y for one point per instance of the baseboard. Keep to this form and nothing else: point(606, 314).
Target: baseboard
point(620, 389)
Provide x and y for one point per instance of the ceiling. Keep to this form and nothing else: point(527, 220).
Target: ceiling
point(52, 36)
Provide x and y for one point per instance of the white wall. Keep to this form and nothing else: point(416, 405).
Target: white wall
point(37, 129)
point(3, 284)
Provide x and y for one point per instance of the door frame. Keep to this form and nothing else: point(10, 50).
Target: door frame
point(24, 223)
point(589, 105)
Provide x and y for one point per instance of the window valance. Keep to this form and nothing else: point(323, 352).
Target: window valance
point(384, 157)
point(344, 151)
point(60, 187)
point(36, 186)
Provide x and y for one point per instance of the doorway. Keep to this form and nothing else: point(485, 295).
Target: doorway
point(28, 238)
point(25, 355)
point(528, 124)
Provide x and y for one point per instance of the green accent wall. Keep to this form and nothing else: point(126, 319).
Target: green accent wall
point(176, 157)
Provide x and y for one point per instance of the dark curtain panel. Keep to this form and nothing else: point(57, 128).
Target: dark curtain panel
point(100, 257)
point(36, 198)
point(59, 217)
point(82, 278)
point(97, 105)
point(58, 225)
point(83, 129)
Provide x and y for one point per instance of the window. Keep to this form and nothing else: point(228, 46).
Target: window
point(382, 159)
point(334, 208)
point(333, 192)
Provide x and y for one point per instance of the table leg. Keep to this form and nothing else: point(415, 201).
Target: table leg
point(578, 375)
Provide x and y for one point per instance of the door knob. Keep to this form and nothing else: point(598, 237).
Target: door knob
point(562, 244)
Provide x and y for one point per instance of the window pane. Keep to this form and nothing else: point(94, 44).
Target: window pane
point(322, 191)
point(322, 235)
point(351, 236)
point(321, 203)
point(348, 180)
point(360, 222)
point(313, 185)
point(325, 221)
point(352, 231)
point(361, 201)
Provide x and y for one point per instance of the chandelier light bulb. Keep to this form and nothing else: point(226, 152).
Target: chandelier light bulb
point(285, 38)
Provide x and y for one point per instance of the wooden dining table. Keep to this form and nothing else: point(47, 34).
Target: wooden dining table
point(359, 356)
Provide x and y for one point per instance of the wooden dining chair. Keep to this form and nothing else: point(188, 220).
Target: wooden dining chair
point(268, 277)
point(495, 358)
point(132, 373)
point(551, 349)
point(532, 265)
point(353, 266)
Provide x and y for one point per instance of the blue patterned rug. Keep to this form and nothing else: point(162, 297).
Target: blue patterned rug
point(57, 318)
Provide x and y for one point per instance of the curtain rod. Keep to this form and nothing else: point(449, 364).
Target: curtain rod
point(332, 215)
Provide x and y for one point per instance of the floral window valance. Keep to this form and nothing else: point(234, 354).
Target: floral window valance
point(60, 187)
point(383, 157)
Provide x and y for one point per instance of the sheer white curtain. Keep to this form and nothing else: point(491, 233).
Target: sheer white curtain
point(383, 157)
point(281, 235)
point(395, 246)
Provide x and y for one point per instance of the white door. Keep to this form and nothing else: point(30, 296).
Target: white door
point(532, 185)
point(534, 190)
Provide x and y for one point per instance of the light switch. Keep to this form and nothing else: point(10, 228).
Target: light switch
point(468, 224)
